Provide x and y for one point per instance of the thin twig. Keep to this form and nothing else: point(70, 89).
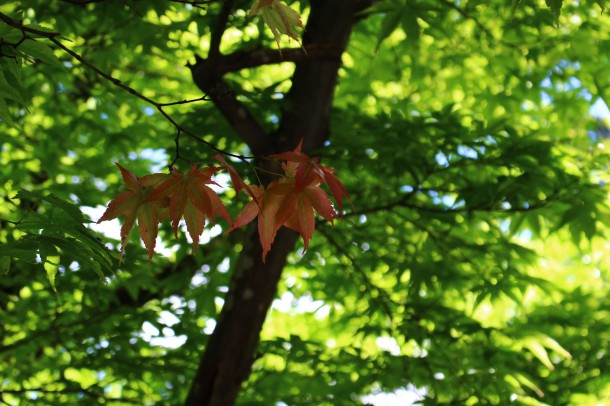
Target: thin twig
point(202, 98)
point(159, 106)
point(402, 202)
point(177, 142)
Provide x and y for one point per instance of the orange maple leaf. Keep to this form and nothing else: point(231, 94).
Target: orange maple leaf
point(191, 199)
point(309, 170)
point(133, 204)
point(283, 203)
point(265, 205)
point(238, 182)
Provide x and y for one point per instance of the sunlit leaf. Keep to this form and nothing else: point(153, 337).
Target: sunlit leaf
point(280, 18)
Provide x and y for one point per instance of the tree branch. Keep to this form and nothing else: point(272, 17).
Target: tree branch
point(207, 75)
point(253, 58)
point(219, 31)
point(238, 116)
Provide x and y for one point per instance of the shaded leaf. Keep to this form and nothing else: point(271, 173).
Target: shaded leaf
point(390, 22)
point(5, 114)
point(515, 4)
point(5, 264)
point(411, 26)
point(9, 91)
point(555, 6)
point(601, 4)
point(40, 51)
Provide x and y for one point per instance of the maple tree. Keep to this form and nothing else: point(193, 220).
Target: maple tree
point(471, 135)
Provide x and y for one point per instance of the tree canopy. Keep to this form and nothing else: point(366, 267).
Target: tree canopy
point(470, 136)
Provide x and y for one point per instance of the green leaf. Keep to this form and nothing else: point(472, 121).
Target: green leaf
point(555, 346)
point(9, 91)
point(61, 226)
point(67, 207)
point(411, 26)
point(536, 344)
point(539, 352)
point(40, 51)
point(13, 69)
point(5, 114)
point(280, 18)
point(515, 5)
point(24, 249)
point(390, 22)
point(5, 264)
point(601, 4)
point(10, 34)
point(528, 383)
point(555, 6)
point(72, 247)
point(51, 269)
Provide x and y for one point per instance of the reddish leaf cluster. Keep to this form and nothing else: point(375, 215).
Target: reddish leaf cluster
point(291, 200)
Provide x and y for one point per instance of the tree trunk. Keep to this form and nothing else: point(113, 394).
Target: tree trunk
point(229, 355)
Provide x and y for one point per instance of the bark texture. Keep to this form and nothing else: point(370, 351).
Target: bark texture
point(229, 355)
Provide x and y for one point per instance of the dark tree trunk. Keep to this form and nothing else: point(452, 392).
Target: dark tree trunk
point(229, 355)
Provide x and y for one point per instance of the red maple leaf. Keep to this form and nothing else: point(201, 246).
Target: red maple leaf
point(299, 208)
point(133, 204)
point(309, 170)
point(190, 198)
